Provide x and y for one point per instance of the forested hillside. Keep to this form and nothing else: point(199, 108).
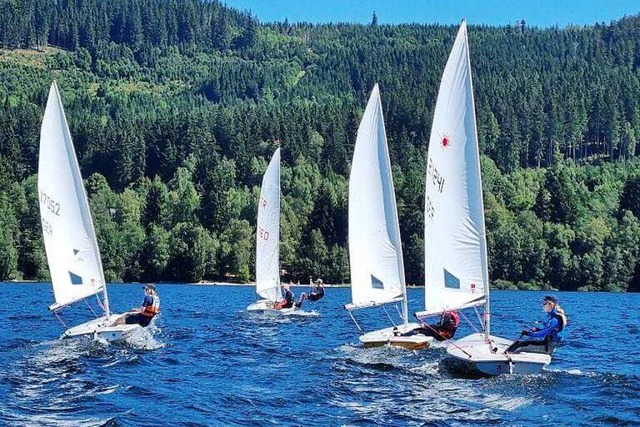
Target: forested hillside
point(176, 106)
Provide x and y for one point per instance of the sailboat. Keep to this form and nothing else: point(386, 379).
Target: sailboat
point(67, 229)
point(456, 272)
point(268, 241)
point(375, 249)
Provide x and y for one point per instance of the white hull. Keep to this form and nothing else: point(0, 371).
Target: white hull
point(472, 355)
point(393, 336)
point(266, 306)
point(101, 328)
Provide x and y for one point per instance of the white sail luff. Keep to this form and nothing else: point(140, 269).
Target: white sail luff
point(375, 248)
point(268, 233)
point(455, 241)
point(70, 242)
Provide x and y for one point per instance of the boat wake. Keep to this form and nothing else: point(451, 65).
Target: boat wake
point(302, 313)
point(575, 372)
point(276, 315)
point(429, 368)
point(144, 338)
point(49, 385)
point(374, 375)
point(385, 358)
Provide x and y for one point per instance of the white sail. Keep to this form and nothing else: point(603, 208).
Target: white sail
point(375, 249)
point(268, 233)
point(455, 243)
point(69, 236)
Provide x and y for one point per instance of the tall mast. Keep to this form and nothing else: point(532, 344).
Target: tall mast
point(483, 240)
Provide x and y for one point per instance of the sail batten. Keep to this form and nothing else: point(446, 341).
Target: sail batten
point(375, 248)
point(80, 297)
point(351, 307)
point(469, 304)
point(268, 233)
point(455, 242)
point(69, 237)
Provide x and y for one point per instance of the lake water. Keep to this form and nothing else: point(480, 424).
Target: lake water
point(205, 362)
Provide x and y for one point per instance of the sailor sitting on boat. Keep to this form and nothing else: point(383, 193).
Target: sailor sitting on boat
point(550, 333)
point(288, 300)
point(143, 315)
point(445, 329)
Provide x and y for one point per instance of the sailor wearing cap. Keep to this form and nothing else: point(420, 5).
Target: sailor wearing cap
point(143, 315)
point(318, 291)
point(549, 336)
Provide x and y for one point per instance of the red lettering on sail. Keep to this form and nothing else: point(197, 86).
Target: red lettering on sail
point(263, 234)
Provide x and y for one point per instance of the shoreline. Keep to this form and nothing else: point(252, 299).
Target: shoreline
point(293, 285)
point(202, 283)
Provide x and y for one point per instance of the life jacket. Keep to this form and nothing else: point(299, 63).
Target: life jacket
point(555, 314)
point(288, 300)
point(448, 324)
point(556, 335)
point(454, 317)
point(152, 309)
point(316, 294)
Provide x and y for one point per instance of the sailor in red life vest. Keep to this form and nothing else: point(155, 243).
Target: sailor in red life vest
point(445, 329)
point(143, 315)
point(288, 300)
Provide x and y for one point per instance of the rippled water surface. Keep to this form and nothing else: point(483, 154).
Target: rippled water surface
point(207, 362)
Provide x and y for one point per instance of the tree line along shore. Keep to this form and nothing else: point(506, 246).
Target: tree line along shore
point(175, 108)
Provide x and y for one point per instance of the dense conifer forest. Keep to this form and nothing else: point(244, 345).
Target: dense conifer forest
point(176, 106)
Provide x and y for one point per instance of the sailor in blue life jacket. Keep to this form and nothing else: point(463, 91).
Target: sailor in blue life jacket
point(313, 296)
point(143, 315)
point(444, 329)
point(288, 300)
point(549, 336)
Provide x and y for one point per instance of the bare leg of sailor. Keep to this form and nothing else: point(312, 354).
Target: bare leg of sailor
point(301, 300)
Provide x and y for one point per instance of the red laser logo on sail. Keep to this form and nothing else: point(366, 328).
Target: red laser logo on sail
point(445, 142)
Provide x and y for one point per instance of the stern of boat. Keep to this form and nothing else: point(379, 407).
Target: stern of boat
point(262, 305)
point(473, 355)
point(397, 336)
point(102, 328)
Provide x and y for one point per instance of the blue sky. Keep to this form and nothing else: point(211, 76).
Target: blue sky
point(541, 13)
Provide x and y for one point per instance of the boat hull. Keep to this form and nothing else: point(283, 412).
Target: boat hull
point(472, 355)
point(266, 306)
point(102, 328)
point(395, 336)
